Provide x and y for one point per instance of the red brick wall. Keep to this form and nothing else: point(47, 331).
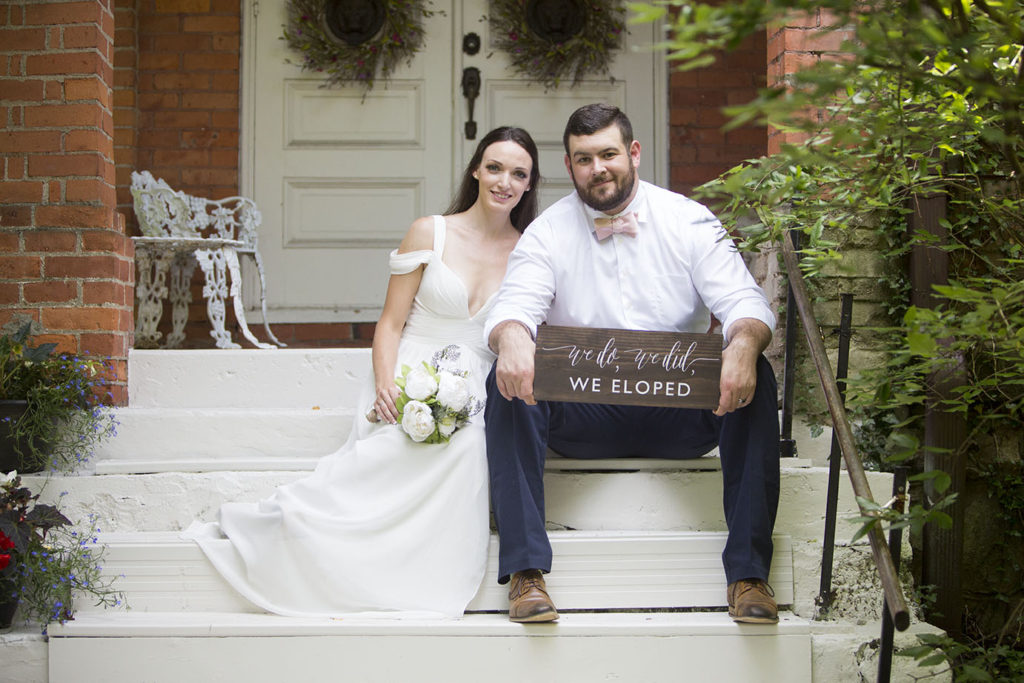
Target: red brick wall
point(699, 149)
point(799, 43)
point(188, 93)
point(65, 259)
point(126, 112)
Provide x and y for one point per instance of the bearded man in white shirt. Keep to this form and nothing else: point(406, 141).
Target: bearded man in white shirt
point(671, 270)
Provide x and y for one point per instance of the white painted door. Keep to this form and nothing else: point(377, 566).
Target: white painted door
point(339, 178)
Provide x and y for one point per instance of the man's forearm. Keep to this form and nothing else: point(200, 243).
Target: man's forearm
point(508, 331)
point(750, 334)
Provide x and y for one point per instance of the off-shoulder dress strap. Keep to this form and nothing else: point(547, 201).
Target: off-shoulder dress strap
point(439, 235)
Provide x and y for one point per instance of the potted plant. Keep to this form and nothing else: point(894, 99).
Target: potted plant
point(46, 561)
point(50, 410)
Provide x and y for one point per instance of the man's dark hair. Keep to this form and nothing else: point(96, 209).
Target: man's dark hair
point(591, 118)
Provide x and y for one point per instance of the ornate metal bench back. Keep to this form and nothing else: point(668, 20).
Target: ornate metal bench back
point(164, 212)
point(177, 227)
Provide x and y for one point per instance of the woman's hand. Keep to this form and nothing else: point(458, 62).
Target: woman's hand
point(384, 406)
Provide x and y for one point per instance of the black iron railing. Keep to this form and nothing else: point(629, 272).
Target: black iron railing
point(895, 610)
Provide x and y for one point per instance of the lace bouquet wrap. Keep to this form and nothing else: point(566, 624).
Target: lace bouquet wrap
point(435, 400)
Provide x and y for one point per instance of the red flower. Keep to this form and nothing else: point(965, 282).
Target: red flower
point(4, 561)
point(5, 542)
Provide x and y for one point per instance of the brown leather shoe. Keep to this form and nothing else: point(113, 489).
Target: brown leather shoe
point(528, 600)
point(752, 601)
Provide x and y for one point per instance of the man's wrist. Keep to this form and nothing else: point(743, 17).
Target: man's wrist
point(507, 331)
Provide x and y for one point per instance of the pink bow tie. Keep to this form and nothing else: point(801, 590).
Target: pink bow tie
point(624, 223)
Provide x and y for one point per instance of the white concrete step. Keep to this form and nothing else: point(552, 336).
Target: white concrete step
point(278, 409)
point(204, 440)
point(668, 500)
point(258, 379)
point(160, 572)
point(580, 647)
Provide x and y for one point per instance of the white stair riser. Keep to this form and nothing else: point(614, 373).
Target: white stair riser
point(648, 501)
point(590, 571)
point(452, 659)
point(295, 379)
point(580, 647)
point(176, 440)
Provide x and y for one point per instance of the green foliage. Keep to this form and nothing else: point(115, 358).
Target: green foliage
point(994, 662)
point(1006, 485)
point(926, 100)
point(64, 420)
point(47, 561)
point(899, 101)
point(977, 331)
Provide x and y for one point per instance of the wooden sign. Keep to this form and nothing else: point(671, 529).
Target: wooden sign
point(627, 367)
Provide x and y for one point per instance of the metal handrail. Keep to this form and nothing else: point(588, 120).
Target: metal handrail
point(894, 599)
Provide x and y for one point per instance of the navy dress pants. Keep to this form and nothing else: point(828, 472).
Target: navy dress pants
point(518, 436)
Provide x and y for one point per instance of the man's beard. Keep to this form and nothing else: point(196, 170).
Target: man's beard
point(622, 189)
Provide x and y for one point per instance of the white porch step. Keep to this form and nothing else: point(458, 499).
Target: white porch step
point(160, 572)
point(669, 500)
point(258, 379)
point(204, 440)
point(257, 410)
point(636, 647)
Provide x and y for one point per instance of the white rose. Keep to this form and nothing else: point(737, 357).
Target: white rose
point(446, 425)
point(452, 391)
point(420, 384)
point(417, 420)
point(9, 477)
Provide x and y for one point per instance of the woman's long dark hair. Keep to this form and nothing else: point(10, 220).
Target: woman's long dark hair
point(526, 210)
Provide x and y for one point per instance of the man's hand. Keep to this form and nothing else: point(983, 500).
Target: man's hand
point(514, 368)
point(748, 338)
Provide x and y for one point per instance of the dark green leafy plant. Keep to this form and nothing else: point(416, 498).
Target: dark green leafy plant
point(46, 561)
point(64, 420)
point(898, 101)
point(981, 662)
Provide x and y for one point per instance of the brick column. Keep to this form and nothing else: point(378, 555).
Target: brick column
point(796, 44)
point(66, 261)
point(700, 149)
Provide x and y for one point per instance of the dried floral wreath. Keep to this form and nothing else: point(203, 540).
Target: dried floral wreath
point(355, 41)
point(551, 41)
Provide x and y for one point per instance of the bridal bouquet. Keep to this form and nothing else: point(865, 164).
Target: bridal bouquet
point(435, 399)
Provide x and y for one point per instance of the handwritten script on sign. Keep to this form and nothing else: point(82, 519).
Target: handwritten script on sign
point(627, 367)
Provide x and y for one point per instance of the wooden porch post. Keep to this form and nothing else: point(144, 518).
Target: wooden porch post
point(943, 548)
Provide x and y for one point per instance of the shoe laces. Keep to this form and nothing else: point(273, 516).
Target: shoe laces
point(755, 585)
point(526, 580)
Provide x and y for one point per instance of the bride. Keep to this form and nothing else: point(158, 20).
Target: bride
point(385, 523)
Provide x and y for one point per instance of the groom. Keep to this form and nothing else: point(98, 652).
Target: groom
point(622, 253)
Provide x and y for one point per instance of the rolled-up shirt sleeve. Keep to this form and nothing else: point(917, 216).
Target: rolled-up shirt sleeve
point(723, 281)
point(528, 289)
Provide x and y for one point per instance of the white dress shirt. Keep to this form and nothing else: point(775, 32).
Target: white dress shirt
point(681, 268)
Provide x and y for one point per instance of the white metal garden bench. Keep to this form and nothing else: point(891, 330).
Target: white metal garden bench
point(179, 230)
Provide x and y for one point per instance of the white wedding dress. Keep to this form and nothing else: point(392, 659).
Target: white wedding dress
point(383, 523)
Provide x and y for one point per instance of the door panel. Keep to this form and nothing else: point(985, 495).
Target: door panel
point(339, 176)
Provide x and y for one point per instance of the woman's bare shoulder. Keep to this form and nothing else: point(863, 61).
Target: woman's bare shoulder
point(419, 237)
